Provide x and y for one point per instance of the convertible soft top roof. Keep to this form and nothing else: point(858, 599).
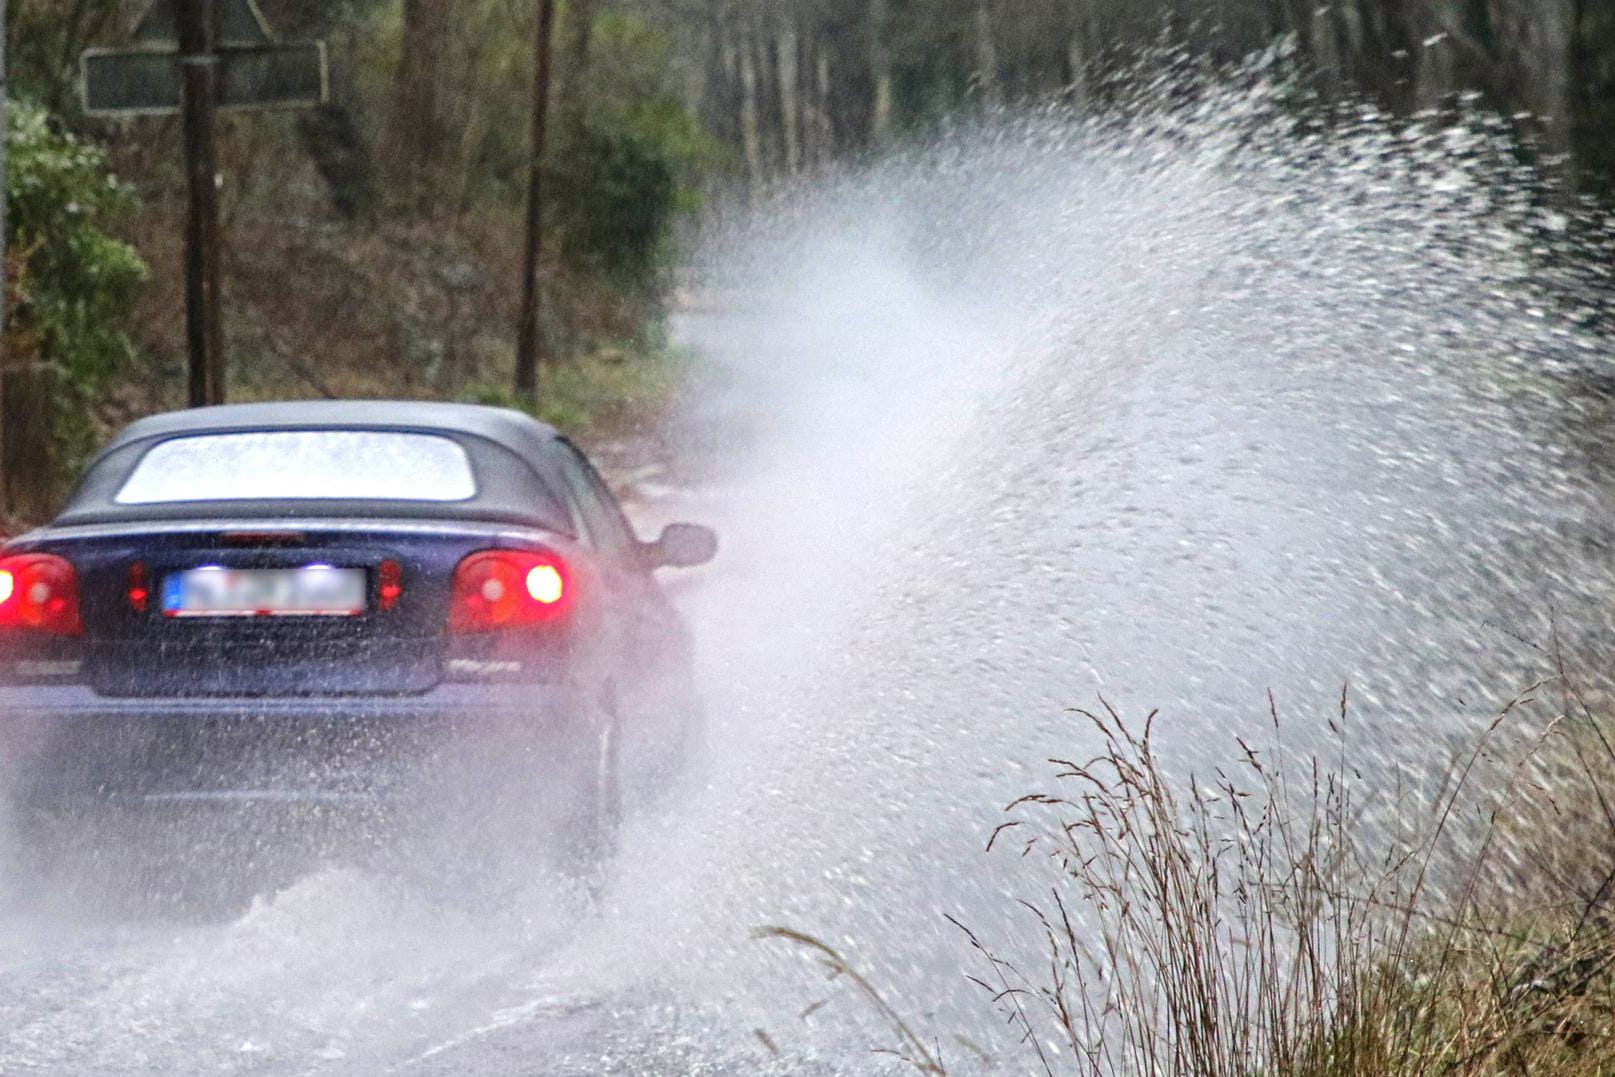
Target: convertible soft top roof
point(515, 457)
point(514, 430)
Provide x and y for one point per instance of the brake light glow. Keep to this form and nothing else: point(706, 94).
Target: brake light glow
point(390, 584)
point(544, 585)
point(139, 588)
point(40, 592)
point(498, 589)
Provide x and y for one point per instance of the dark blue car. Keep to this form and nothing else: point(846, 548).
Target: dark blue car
point(340, 602)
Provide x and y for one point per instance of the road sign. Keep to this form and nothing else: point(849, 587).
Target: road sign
point(192, 57)
point(253, 70)
point(149, 82)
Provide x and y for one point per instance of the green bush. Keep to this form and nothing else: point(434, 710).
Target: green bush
point(625, 167)
point(601, 391)
point(619, 186)
point(74, 283)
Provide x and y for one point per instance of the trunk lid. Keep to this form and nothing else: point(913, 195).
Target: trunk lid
point(127, 651)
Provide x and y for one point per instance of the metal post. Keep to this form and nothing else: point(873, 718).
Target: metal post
point(204, 344)
point(5, 131)
point(529, 339)
point(5, 221)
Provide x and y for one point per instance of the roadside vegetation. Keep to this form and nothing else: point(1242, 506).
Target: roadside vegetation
point(372, 245)
point(72, 284)
point(1284, 918)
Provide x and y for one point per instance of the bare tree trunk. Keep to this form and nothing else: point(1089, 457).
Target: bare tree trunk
point(727, 114)
point(822, 85)
point(574, 86)
point(414, 125)
point(529, 331)
point(880, 73)
point(751, 141)
point(702, 75)
point(770, 100)
point(1537, 40)
point(465, 114)
point(807, 95)
point(822, 125)
point(986, 49)
point(1078, 88)
point(1312, 25)
point(1594, 78)
point(1080, 50)
point(790, 100)
point(1390, 46)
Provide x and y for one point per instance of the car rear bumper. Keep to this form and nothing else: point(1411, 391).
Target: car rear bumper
point(70, 744)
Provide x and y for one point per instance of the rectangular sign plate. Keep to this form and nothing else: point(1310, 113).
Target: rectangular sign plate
point(315, 591)
point(136, 82)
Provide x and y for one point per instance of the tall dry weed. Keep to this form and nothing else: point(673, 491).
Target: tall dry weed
point(1265, 923)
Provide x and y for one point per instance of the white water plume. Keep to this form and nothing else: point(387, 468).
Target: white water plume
point(1218, 396)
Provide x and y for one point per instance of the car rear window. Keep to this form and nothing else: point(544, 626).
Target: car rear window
point(293, 465)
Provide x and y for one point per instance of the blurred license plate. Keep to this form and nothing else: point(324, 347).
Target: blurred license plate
point(316, 591)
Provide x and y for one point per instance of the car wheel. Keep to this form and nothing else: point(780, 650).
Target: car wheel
point(597, 814)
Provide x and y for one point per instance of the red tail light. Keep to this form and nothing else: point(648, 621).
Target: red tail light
point(389, 584)
point(41, 592)
point(139, 588)
point(508, 588)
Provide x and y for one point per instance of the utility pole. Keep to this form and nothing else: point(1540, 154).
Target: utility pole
point(5, 222)
point(529, 339)
point(5, 161)
point(199, 61)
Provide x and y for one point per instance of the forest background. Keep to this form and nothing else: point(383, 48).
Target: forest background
point(372, 246)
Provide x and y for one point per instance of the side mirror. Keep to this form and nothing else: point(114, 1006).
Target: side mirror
point(682, 546)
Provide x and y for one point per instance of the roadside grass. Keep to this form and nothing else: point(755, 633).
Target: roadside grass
point(607, 390)
point(1272, 922)
point(603, 391)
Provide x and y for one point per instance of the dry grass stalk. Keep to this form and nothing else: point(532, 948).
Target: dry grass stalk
point(1243, 928)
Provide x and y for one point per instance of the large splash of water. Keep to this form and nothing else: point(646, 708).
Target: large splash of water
point(1217, 396)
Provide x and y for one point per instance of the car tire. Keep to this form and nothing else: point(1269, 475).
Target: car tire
point(596, 819)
